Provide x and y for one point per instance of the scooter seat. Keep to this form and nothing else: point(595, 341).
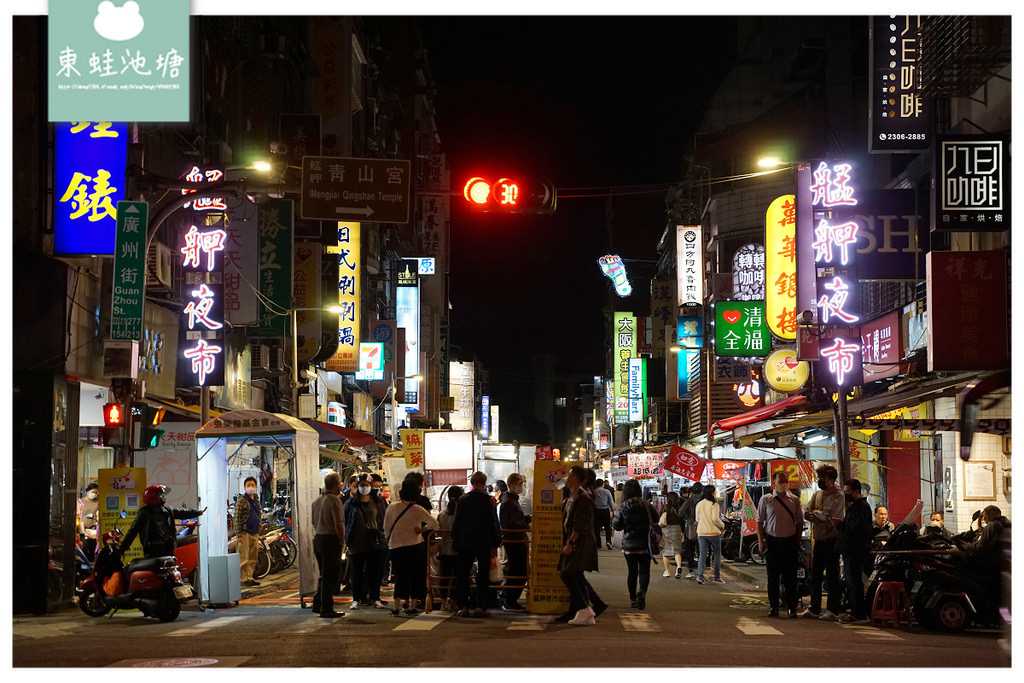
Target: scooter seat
point(148, 563)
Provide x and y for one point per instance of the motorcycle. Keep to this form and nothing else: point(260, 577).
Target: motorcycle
point(152, 585)
point(737, 547)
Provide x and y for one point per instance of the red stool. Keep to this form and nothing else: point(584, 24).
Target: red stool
point(891, 604)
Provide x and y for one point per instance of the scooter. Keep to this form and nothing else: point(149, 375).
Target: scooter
point(152, 585)
point(187, 549)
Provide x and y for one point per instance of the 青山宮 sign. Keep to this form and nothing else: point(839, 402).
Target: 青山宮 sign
point(127, 61)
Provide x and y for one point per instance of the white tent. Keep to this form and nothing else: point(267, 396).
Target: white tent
point(223, 436)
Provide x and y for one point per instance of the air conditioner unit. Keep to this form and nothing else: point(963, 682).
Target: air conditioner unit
point(276, 358)
point(260, 357)
point(158, 265)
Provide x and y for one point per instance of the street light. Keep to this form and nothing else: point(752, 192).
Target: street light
point(295, 348)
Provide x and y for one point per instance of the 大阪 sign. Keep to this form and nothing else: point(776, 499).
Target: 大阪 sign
point(348, 189)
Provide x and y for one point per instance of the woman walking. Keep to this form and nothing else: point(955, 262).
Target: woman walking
point(404, 524)
point(634, 519)
point(579, 550)
point(672, 528)
point(709, 534)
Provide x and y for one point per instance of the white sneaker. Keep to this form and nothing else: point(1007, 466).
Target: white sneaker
point(808, 614)
point(667, 574)
point(380, 604)
point(689, 575)
point(354, 605)
point(584, 617)
point(828, 616)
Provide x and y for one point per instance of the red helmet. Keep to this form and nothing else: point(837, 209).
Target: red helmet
point(155, 495)
point(111, 537)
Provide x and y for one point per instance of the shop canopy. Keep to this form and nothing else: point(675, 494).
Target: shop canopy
point(332, 434)
point(758, 414)
point(221, 438)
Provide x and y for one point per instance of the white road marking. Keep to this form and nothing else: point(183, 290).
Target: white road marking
point(874, 632)
point(308, 626)
point(422, 622)
point(753, 627)
point(532, 623)
point(638, 621)
point(204, 626)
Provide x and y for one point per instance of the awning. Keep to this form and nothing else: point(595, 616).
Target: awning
point(758, 414)
point(181, 409)
point(340, 456)
point(330, 433)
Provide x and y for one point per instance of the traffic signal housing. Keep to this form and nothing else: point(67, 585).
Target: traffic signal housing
point(149, 434)
point(113, 424)
point(510, 195)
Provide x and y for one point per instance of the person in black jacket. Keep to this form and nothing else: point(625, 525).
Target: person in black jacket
point(475, 537)
point(154, 524)
point(510, 516)
point(855, 533)
point(634, 518)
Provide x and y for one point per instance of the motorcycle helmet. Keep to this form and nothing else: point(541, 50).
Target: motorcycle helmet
point(155, 495)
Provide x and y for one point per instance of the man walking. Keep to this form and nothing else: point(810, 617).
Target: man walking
point(825, 510)
point(604, 506)
point(475, 536)
point(329, 532)
point(247, 530)
point(855, 546)
point(779, 523)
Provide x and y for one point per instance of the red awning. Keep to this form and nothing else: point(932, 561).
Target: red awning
point(757, 414)
point(353, 436)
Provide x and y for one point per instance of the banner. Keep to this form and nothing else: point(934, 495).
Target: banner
point(543, 453)
point(645, 465)
point(120, 500)
point(749, 513)
point(800, 472)
point(412, 448)
point(547, 594)
point(685, 463)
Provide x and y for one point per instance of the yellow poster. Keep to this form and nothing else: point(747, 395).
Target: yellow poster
point(412, 448)
point(548, 595)
point(864, 465)
point(120, 499)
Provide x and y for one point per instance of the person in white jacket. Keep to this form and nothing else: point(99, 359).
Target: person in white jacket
point(709, 534)
point(404, 524)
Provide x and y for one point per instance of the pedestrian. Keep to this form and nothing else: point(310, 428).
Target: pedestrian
point(446, 555)
point(882, 528)
point(579, 550)
point(475, 537)
point(854, 545)
point(937, 526)
point(780, 523)
point(328, 535)
point(405, 523)
point(350, 488)
point(367, 545)
point(511, 517)
point(671, 526)
point(88, 518)
point(590, 484)
point(247, 530)
point(154, 524)
point(688, 511)
point(709, 534)
point(634, 519)
point(604, 507)
point(825, 506)
point(422, 500)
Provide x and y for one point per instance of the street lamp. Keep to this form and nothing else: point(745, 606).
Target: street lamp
point(295, 348)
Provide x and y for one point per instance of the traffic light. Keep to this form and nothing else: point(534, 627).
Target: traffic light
point(510, 195)
point(113, 424)
point(149, 435)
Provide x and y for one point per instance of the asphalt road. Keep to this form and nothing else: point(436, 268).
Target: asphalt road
point(685, 625)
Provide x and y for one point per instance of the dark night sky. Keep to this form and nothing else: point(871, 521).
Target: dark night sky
point(583, 102)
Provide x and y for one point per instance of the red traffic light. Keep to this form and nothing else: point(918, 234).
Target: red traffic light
point(113, 415)
point(510, 195)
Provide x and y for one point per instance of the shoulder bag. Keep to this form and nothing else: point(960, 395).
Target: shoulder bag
point(655, 536)
point(401, 514)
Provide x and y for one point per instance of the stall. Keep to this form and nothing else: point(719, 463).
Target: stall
point(218, 442)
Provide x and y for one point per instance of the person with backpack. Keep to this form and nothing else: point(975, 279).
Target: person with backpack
point(780, 523)
point(635, 518)
point(671, 526)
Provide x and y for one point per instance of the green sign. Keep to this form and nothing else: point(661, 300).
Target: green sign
point(625, 336)
point(741, 329)
point(129, 271)
point(275, 230)
point(118, 61)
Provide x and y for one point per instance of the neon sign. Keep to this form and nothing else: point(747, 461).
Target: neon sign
point(842, 359)
point(612, 267)
point(830, 186)
point(205, 203)
point(780, 266)
point(748, 273)
point(741, 329)
point(202, 317)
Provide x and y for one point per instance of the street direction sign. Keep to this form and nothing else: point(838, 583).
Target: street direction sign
point(350, 189)
point(129, 271)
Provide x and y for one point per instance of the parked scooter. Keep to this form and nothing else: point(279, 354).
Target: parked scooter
point(152, 585)
point(737, 547)
point(187, 550)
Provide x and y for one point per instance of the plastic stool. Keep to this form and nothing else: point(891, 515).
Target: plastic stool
point(891, 603)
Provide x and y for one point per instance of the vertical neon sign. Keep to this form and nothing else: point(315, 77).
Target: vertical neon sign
point(201, 350)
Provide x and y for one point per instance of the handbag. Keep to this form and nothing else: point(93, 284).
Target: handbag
point(496, 575)
point(655, 536)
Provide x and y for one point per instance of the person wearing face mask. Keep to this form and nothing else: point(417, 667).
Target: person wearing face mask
point(89, 519)
point(825, 510)
point(367, 544)
point(247, 529)
point(510, 516)
point(855, 546)
point(780, 521)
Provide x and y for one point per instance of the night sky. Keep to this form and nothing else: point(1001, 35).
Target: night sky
point(584, 102)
